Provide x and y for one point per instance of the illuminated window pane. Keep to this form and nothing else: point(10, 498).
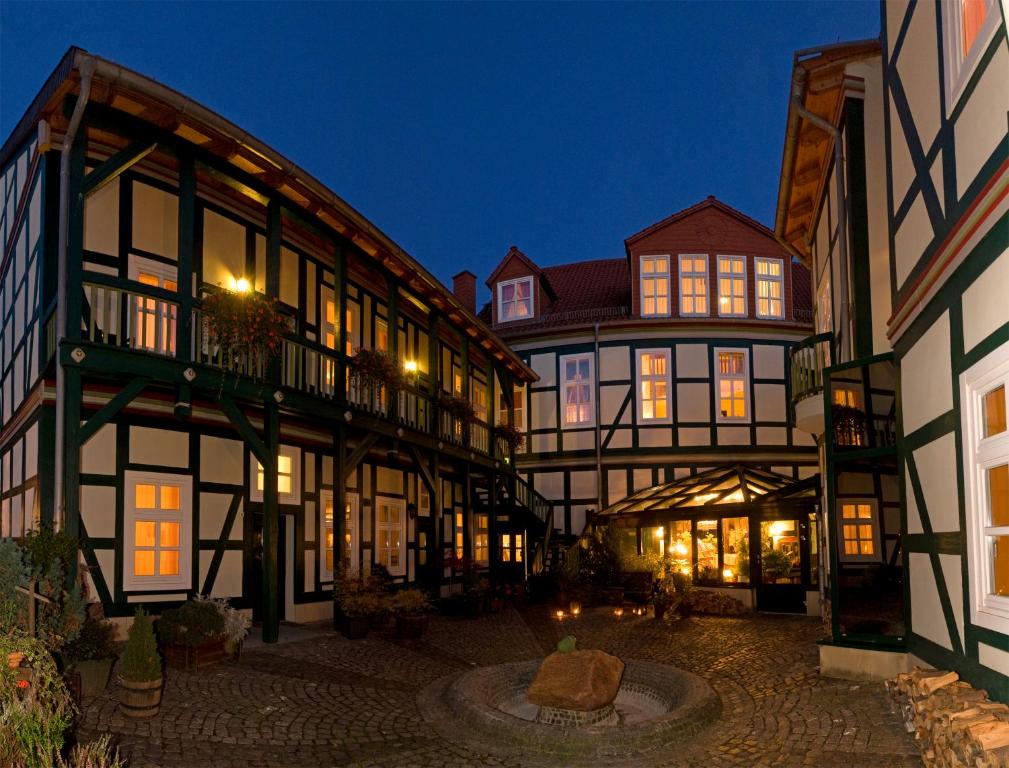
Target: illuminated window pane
point(998, 494)
point(169, 562)
point(170, 534)
point(145, 496)
point(284, 484)
point(143, 563)
point(973, 16)
point(259, 476)
point(329, 559)
point(171, 497)
point(284, 464)
point(144, 533)
point(1000, 565)
point(995, 412)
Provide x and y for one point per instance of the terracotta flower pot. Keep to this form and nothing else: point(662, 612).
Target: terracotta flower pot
point(94, 674)
point(14, 660)
point(140, 699)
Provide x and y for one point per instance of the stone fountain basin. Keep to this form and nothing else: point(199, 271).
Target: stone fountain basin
point(658, 708)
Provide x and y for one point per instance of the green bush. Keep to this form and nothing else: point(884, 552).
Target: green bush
point(409, 602)
point(96, 640)
point(14, 570)
point(192, 624)
point(45, 546)
point(140, 662)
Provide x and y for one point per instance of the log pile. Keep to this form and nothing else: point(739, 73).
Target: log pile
point(703, 601)
point(955, 723)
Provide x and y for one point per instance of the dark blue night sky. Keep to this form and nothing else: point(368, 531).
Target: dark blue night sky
point(460, 129)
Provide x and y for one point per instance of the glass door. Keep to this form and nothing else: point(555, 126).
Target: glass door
point(784, 566)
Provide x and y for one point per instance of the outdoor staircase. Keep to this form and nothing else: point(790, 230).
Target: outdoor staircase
point(526, 500)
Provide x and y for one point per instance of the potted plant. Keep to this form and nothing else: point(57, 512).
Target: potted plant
point(192, 634)
point(140, 675)
point(410, 607)
point(511, 435)
point(357, 601)
point(248, 328)
point(91, 655)
point(236, 624)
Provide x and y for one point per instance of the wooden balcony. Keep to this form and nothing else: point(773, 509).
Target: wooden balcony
point(807, 362)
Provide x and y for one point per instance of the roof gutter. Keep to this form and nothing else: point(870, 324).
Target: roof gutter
point(87, 69)
point(118, 75)
point(788, 160)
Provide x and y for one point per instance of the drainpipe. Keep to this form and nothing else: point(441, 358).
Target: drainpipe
point(798, 89)
point(87, 68)
point(599, 414)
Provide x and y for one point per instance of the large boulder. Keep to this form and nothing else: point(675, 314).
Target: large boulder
point(580, 680)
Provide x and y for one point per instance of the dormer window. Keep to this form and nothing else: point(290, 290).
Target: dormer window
point(515, 299)
point(654, 286)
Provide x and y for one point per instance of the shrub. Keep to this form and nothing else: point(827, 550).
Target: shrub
point(355, 596)
point(192, 623)
point(96, 640)
point(14, 570)
point(236, 623)
point(140, 662)
point(410, 602)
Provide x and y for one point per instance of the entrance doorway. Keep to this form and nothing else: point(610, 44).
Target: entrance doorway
point(285, 574)
point(784, 565)
point(427, 570)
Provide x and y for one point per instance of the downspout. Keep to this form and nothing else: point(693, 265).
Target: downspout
point(87, 69)
point(798, 90)
point(599, 415)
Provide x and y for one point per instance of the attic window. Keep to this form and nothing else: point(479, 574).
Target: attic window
point(515, 299)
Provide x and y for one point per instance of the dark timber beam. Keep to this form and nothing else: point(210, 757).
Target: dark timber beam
point(359, 453)
point(422, 470)
point(339, 494)
point(107, 412)
point(120, 162)
point(187, 249)
point(271, 525)
point(245, 429)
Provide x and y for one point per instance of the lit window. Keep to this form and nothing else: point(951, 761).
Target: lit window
point(481, 539)
point(506, 548)
point(460, 542)
point(390, 535)
point(653, 385)
point(731, 286)
point(518, 399)
point(158, 515)
point(986, 480)
point(352, 318)
point(381, 334)
point(693, 285)
point(770, 282)
point(973, 14)
point(577, 390)
point(733, 385)
point(519, 554)
point(847, 397)
point(859, 530)
point(515, 299)
point(288, 476)
point(968, 27)
point(654, 286)
point(154, 320)
point(348, 552)
point(478, 397)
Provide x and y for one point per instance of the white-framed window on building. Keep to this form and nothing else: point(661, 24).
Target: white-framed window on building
point(506, 548)
point(349, 553)
point(693, 285)
point(983, 390)
point(515, 299)
point(770, 288)
point(968, 27)
point(731, 286)
point(578, 383)
point(157, 531)
point(478, 397)
point(858, 520)
point(654, 386)
point(655, 286)
point(459, 536)
point(732, 382)
point(481, 538)
point(381, 334)
point(288, 476)
point(518, 398)
point(390, 534)
point(153, 320)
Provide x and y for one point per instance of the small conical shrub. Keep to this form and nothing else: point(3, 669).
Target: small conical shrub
point(140, 662)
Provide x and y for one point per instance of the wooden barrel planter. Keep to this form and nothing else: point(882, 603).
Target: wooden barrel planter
point(355, 627)
point(94, 675)
point(191, 657)
point(140, 700)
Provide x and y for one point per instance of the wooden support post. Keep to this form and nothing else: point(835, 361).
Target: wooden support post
point(492, 526)
point(434, 373)
point(187, 240)
point(340, 276)
point(271, 525)
point(274, 232)
point(392, 293)
point(121, 161)
point(339, 497)
point(467, 513)
point(437, 512)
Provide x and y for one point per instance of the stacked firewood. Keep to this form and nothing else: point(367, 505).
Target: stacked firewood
point(955, 723)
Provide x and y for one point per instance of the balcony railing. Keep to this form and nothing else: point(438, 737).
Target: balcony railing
point(147, 321)
point(806, 364)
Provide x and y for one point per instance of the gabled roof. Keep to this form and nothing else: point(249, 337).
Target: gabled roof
point(709, 202)
point(735, 484)
point(513, 253)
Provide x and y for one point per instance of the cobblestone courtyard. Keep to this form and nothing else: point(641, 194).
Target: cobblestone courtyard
point(327, 701)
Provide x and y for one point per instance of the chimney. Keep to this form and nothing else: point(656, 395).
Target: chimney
point(464, 289)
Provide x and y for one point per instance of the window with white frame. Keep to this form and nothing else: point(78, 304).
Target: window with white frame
point(481, 539)
point(770, 288)
point(983, 390)
point(968, 28)
point(288, 476)
point(576, 390)
point(693, 284)
point(732, 382)
point(515, 299)
point(654, 386)
point(731, 286)
point(654, 286)
point(349, 551)
point(158, 518)
point(858, 520)
point(390, 534)
point(153, 319)
point(518, 399)
point(460, 535)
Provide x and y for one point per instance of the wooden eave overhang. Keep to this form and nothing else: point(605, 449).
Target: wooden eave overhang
point(167, 109)
point(819, 82)
point(535, 270)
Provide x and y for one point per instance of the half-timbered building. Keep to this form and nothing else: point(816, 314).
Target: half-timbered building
point(127, 425)
point(661, 365)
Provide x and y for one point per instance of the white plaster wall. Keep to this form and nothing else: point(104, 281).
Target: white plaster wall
point(768, 362)
point(927, 618)
point(694, 436)
point(614, 363)
point(912, 238)
point(770, 405)
point(953, 577)
point(545, 365)
point(543, 410)
point(985, 308)
point(622, 438)
point(388, 480)
point(936, 465)
point(610, 399)
point(583, 485)
point(926, 378)
point(642, 479)
point(616, 485)
point(162, 447)
point(214, 513)
point(549, 484)
point(691, 361)
point(655, 437)
point(221, 460)
point(918, 67)
point(581, 440)
point(733, 435)
point(772, 436)
point(98, 457)
point(982, 124)
point(544, 443)
point(902, 169)
point(101, 220)
point(98, 510)
point(913, 515)
point(155, 220)
point(693, 402)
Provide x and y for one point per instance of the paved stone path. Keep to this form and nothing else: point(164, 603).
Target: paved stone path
point(328, 701)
